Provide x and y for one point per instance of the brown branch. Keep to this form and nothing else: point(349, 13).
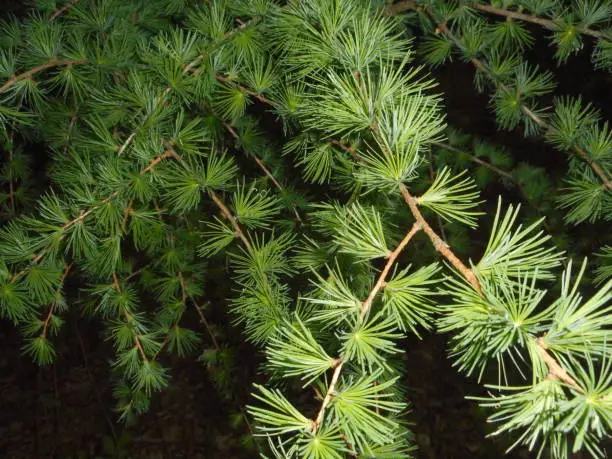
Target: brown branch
point(438, 243)
point(63, 9)
point(263, 167)
point(54, 302)
point(205, 323)
point(128, 317)
point(400, 7)
point(606, 180)
point(365, 307)
point(228, 214)
point(475, 159)
point(338, 363)
point(548, 23)
point(556, 371)
point(244, 90)
point(28, 74)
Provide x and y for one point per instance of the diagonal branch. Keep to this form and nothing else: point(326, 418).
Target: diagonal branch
point(475, 159)
point(63, 9)
point(437, 241)
point(556, 371)
point(263, 167)
point(365, 307)
point(29, 73)
point(228, 214)
point(606, 180)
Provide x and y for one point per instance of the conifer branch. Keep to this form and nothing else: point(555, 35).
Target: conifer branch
point(365, 307)
point(556, 371)
point(263, 167)
point(129, 319)
point(437, 241)
point(245, 90)
point(84, 214)
point(338, 364)
point(548, 23)
point(228, 214)
point(63, 9)
point(29, 73)
point(45, 326)
point(606, 180)
point(475, 159)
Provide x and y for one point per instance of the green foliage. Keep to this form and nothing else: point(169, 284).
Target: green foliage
point(297, 155)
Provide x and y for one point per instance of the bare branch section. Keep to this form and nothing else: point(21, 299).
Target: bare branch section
point(437, 241)
point(475, 159)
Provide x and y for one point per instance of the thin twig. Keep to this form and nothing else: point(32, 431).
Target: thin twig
point(438, 243)
point(245, 90)
point(475, 159)
point(556, 371)
point(339, 363)
point(365, 307)
point(263, 167)
point(205, 323)
point(54, 302)
point(29, 73)
point(548, 23)
point(63, 9)
point(228, 214)
point(129, 318)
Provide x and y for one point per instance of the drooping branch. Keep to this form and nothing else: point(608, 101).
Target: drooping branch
point(53, 306)
point(606, 180)
point(129, 318)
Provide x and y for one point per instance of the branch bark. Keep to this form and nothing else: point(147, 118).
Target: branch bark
point(365, 307)
point(28, 74)
point(228, 214)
